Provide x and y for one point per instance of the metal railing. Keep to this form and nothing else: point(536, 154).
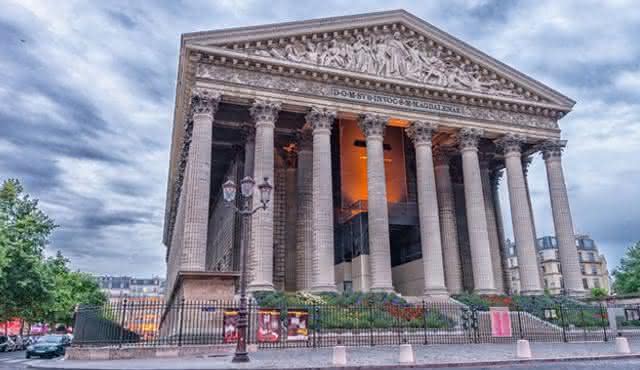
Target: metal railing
point(360, 324)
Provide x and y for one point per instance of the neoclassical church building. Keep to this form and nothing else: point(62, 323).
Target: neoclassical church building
point(385, 140)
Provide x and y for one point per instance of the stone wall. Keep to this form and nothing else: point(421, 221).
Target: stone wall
point(408, 278)
point(221, 231)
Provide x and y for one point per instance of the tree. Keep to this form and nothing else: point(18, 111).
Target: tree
point(627, 275)
point(24, 231)
point(34, 288)
point(71, 288)
point(599, 292)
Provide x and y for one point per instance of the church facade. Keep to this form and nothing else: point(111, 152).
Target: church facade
point(385, 139)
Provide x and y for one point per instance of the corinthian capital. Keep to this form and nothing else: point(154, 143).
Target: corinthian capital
point(468, 138)
point(420, 132)
point(321, 119)
point(552, 149)
point(265, 111)
point(204, 101)
point(372, 124)
point(511, 143)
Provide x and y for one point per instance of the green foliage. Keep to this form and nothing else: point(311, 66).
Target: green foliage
point(627, 275)
point(354, 310)
point(599, 292)
point(34, 288)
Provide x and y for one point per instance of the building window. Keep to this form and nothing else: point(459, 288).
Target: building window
point(546, 283)
point(582, 269)
point(512, 251)
point(585, 284)
point(594, 270)
point(596, 283)
point(592, 257)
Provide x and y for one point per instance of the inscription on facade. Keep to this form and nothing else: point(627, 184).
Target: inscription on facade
point(395, 101)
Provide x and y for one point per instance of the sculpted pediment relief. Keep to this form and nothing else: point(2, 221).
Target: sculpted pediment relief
point(395, 55)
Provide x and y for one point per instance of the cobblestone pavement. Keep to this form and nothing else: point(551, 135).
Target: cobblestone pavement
point(367, 356)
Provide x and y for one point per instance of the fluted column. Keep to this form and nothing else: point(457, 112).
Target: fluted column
point(304, 223)
point(204, 104)
point(521, 216)
point(492, 226)
point(496, 175)
point(448, 224)
point(526, 162)
point(434, 280)
point(373, 127)
point(562, 222)
point(265, 114)
point(323, 276)
point(483, 278)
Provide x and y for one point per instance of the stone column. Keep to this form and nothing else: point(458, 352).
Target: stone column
point(265, 114)
point(562, 222)
point(323, 275)
point(483, 278)
point(448, 226)
point(526, 162)
point(373, 126)
point(434, 280)
point(492, 225)
point(521, 216)
point(304, 226)
point(204, 104)
point(495, 182)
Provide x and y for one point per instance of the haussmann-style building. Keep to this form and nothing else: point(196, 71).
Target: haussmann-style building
point(385, 140)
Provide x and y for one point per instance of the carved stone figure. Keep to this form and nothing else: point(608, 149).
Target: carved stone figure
point(392, 55)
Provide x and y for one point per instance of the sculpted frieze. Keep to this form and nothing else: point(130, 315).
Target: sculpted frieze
point(307, 87)
point(394, 55)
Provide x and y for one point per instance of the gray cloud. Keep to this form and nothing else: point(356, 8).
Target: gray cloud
point(87, 107)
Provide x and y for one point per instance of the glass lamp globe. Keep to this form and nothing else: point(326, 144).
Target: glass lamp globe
point(265, 191)
point(229, 191)
point(246, 186)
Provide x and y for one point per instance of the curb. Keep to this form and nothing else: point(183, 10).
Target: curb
point(390, 366)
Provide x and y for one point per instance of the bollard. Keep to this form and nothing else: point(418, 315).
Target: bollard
point(406, 354)
point(622, 345)
point(523, 350)
point(339, 355)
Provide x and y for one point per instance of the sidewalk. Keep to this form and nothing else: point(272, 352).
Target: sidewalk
point(375, 357)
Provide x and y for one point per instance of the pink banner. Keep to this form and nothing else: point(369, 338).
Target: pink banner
point(500, 321)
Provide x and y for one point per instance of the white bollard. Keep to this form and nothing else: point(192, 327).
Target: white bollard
point(523, 350)
point(622, 345)
point(406, 354)
point(339, 355)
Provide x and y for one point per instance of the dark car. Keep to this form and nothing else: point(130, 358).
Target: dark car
point(49, 346)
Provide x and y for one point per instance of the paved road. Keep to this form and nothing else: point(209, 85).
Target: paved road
point(16, 360)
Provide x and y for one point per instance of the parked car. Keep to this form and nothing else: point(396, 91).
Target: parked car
point(6, 344)
point(49, 346)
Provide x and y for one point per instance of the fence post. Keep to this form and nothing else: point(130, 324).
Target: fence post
point(604, 322)
point(316, 324)
point(520, 324)
point(181, 322)
point(371, 321)
point(424, 317)
point(562, 323)
point(122, 320)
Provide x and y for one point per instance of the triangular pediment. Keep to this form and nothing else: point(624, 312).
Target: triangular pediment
point(394, 45)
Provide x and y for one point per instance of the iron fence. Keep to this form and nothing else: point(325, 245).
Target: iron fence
point(141, 323)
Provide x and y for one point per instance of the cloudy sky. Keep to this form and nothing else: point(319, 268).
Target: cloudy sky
point(87, 91)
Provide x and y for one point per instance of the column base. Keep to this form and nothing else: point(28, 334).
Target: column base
point(485, 291)
point(575, 292)
point(323, 288)
point(381, 289)
point(532, 292)
point(436, 293)
point(259, 286)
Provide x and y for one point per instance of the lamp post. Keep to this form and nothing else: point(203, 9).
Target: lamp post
point(229, 190)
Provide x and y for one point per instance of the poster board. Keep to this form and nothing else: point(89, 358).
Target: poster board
point(268, 330)
point(500, 321)
point(230, 325)
point(297, 325)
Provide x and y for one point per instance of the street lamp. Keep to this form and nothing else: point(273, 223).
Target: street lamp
point(229, 191)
